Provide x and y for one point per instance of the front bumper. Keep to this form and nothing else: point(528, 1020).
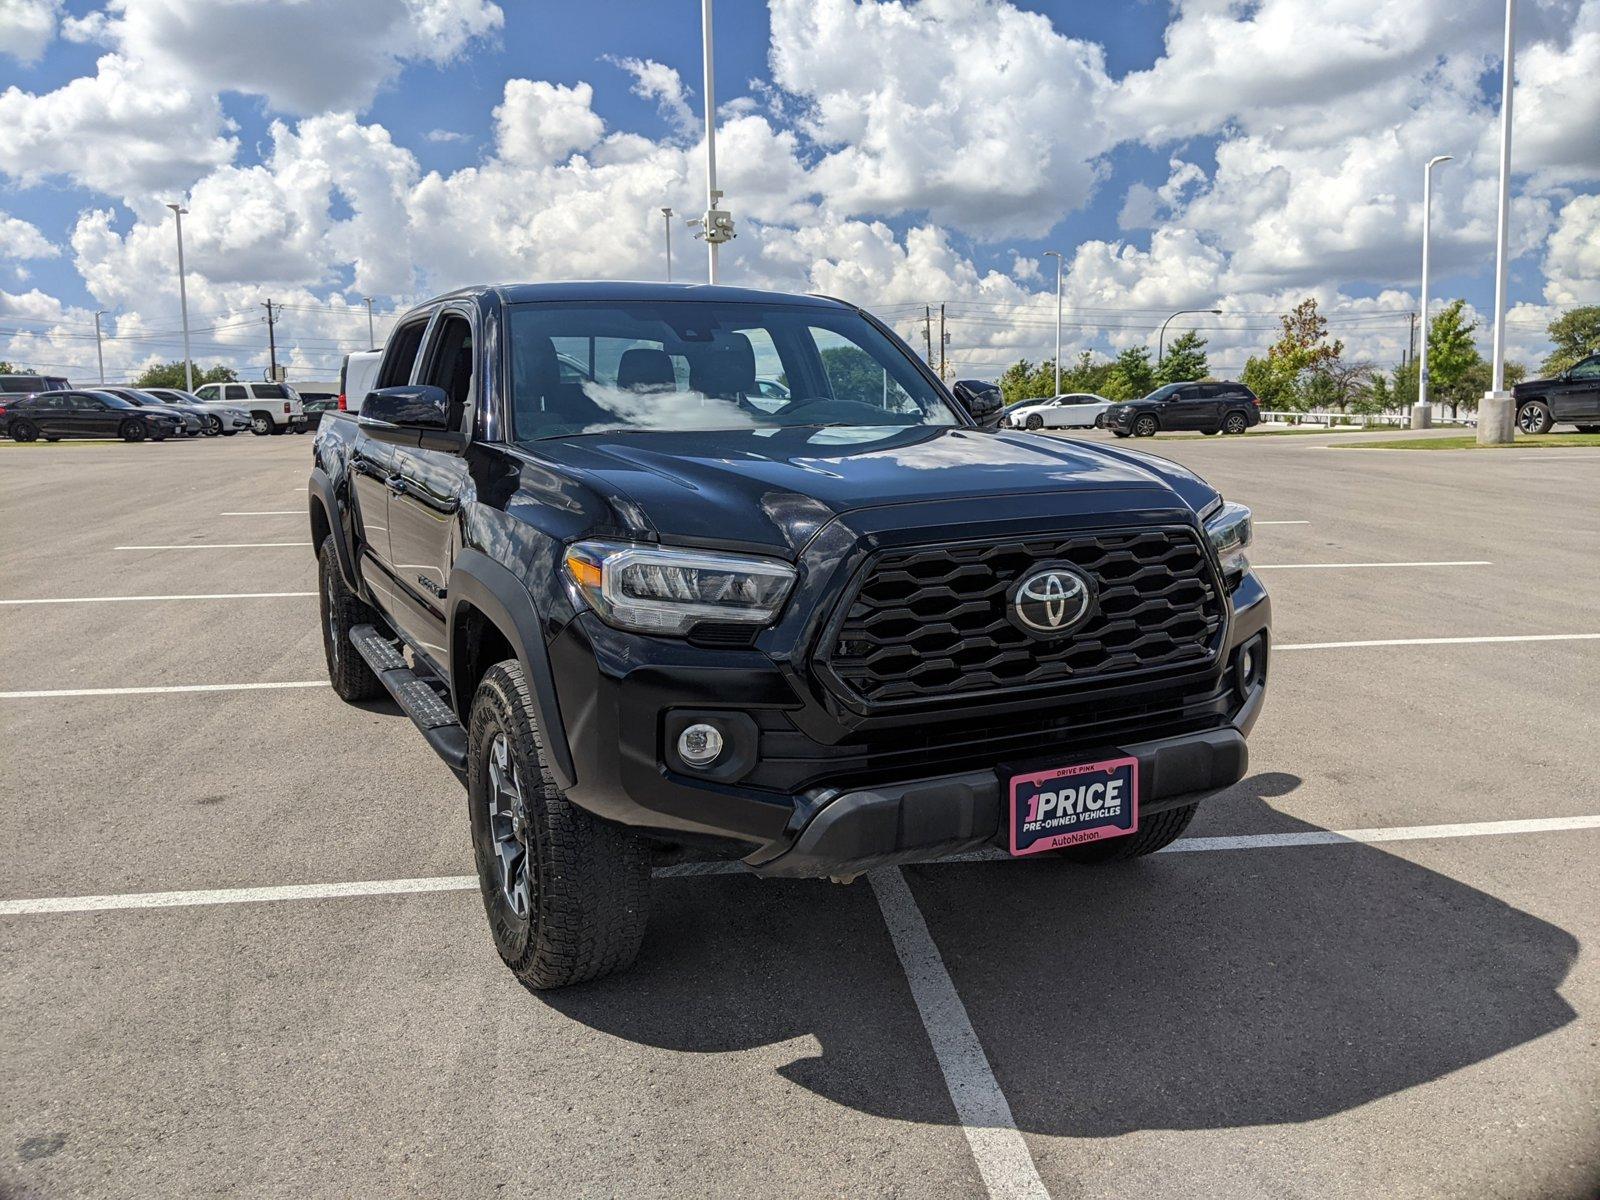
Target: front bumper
point(815, 800)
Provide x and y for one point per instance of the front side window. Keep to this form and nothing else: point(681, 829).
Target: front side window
point(1589, 368)
point(674, 366)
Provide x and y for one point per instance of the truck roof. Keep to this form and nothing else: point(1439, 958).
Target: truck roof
point(522, 293)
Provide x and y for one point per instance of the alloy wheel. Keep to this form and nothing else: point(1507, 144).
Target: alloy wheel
point(508, 827)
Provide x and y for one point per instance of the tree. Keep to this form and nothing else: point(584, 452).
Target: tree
point(1477, 380)
point(1576, 334)
point(852, 372)
point(1294, 374)
point(7, 369)
point(1376, 395)
point(170, 375)
point(1185, 360)
point(1086, 375)
point(1014, 381)
point(1452, 352)
point(1131, 375)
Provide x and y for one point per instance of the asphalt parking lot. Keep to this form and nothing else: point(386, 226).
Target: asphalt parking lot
point(1412, 1010)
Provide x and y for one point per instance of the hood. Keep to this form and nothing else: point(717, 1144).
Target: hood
point(775, 488)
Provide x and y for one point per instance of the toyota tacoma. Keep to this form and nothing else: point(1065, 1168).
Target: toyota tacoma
point(645, 618)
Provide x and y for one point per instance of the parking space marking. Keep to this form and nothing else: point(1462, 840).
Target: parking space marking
point(133, 599)
point(1442, 641)
point(282, 512)
point(1280, 522)
point(449, 883)
point(152, 691)
point(1558, 457)
point(1002, 1156)
point(217, 546)
point(1353, 565)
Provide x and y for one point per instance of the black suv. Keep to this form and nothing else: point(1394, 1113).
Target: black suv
point(1572, 397)
point(1209, 407)
point(643, 617)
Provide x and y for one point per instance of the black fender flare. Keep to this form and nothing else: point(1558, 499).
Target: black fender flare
point(322, 492)
point(493, 590)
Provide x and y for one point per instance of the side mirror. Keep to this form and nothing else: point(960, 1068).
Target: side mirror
point(982, 401)
point(419, 406)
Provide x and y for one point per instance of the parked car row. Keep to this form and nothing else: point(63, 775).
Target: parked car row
point(1207, 406)
point(29, 411)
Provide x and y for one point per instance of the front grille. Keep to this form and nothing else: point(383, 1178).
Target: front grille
point(931, 622)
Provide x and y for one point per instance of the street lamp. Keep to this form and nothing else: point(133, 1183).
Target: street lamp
point(1161, 342)
point(1496, 410)
point(1056, 254)
point(183, 301)
point(716, 226)
point(1422, 411)
point(666, 221)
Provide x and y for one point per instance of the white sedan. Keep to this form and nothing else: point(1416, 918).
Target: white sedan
point(1074, 410)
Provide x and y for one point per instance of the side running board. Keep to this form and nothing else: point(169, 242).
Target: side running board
point(421, 702)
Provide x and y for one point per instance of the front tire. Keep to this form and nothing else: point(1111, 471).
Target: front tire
point(342, 611)
point(1159, 832)
point(567, 896)
point(133, 431)
point(213, 426)
point(1034, 422)
point(1534, 417)
point(1146, 426)
point(1122, 433)
point(1100, 421)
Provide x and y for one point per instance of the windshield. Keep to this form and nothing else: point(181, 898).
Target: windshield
point(592, 367)
point(1162, 392)
point(114, 400)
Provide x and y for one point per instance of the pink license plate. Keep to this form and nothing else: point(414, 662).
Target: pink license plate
point(1068, 806)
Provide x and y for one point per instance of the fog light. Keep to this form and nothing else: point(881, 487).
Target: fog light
point(1247, 665)
point(700, 745)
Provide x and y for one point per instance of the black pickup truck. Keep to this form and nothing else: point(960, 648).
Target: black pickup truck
point(644, 617)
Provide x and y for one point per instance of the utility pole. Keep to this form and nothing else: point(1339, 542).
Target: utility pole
point(183, 302)
point(666, 223)
point(1497, 411)
point(99, 357)
point(272, 345)
point(716, 226)
point(1411, 342)
point(927, 333)
point(1422, 411)
point(944, 339)
point(372, 339)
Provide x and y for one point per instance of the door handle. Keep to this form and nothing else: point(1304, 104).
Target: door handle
point(397, 484)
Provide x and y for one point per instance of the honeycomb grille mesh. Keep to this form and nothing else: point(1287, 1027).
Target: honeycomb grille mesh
point(932, 622)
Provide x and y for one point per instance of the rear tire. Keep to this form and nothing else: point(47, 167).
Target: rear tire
point(133, 431)
point(1589, 428)
point(260, 424)
point(24, 431)
point(1155, 834)
point(1534, 417)
point(1235, 423)
point(1100, 421)
point(567, 896)
point(342, 611)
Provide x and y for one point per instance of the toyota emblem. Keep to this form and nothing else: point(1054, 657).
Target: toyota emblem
point(1051, 600)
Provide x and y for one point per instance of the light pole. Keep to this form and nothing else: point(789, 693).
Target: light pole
point(99, 356)
point(666, 223)
point(183, 301)
point(1422, 411)
point(716, 226)
point(1056, 254)
point(1496, 411)
point(372, 338)
point(1161, 342)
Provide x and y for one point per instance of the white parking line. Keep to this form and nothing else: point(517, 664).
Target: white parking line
point(217, 546)
point(451, 883)
point(1442, 641)
point(282, 512)
point(131, 599)
point(1280, 522)
point(1351, 565)
point(1002, 1156)
point(151, 691)
point(1558, 457)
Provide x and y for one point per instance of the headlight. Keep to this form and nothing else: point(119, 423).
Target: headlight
point(655, 589)
point(1228, 528)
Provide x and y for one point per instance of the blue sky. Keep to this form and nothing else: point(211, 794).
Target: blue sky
point(1257, 150)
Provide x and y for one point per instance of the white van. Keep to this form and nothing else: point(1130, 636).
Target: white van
point(273, 407)
point(357, 376)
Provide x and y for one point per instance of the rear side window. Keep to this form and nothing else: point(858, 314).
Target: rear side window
point(236, 391)
point(270, 391)
point(401, 355)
